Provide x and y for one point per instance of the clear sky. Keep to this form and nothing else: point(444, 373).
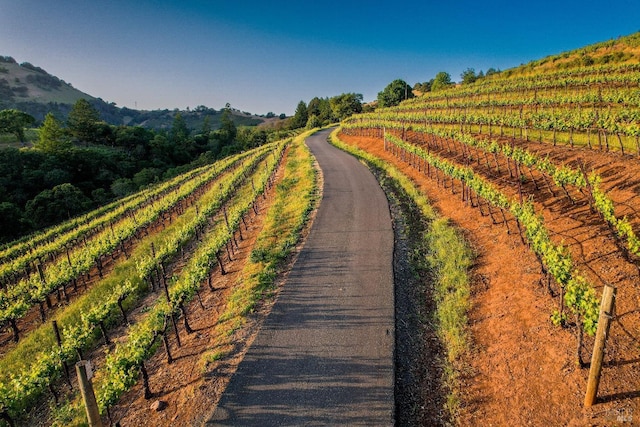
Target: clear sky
point(263, 56)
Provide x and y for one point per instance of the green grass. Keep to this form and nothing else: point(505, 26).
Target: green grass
point(448, 258)
point(294, 200)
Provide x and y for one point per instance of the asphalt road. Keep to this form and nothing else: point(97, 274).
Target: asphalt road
point(324, 355)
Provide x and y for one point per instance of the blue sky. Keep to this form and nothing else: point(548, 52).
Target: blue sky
point(267, 56)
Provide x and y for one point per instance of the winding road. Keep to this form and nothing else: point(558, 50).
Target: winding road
point(324, 355)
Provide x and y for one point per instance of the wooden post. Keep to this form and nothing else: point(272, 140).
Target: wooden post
point(88, 396)
point(607, 307)
point(41, 273)
point(56, 331)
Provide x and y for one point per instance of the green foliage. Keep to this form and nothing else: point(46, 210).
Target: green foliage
point(556, 258)
point(395, 92)
point(33, 366)
point(146, 176)
point(423, 87)
point(314, 122)
point(581, 298)
point(57, 204)
point(300, 117)
point(135, 156)
point(442, 80)
point(345, 105)
point(13, 223)
point(558, 319)
point(321, 108)
point(122, 365)
point(14, 121)
point(82, 121)
point(179, 132)
point(122, 187)
point(469, 76)
point(227, 132)
point(52, 137)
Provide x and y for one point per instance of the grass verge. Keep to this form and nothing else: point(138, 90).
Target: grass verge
point(448, 259)
point(295, 199)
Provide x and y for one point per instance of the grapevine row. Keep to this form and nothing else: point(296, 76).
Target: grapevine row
point(615, 97)
point(623, 123)
point(605, 76)
point(123, 365)
point(45, 367)
point(18, 299)
point(561, 176)
point(37, 248)
point(556, 260)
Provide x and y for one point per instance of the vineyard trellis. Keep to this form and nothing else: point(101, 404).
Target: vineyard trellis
point(45, 367)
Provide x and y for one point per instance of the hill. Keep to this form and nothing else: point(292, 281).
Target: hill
point(619, 50)
point(33, 90)
point(538, 165)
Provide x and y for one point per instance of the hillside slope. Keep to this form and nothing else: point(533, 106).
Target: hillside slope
point(24, 83)
point(31, 89)
point(538, 166)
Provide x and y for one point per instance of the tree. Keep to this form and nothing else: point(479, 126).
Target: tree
point(441, 81)
point(122, 187)
point(179, 130)
point(228, 131)
point(146, 176)
point(52, 206)
point(300, 117)
point(250, 137)
point(314, 122)
point(491, 71)
point(320, 107)
point(131, 136)
point(14, 121)
point(395, 92)
point(423, 87)
point(314, 107)
point(13, 224)
point(468, 76)
point(206, 126)
point(82, 121)
point(52, 137)
point(345, 105)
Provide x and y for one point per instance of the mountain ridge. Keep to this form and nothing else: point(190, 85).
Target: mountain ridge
point(31, 89)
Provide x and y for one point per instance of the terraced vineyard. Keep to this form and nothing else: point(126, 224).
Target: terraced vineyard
point(537, 167)
point(550, 157)
point(67, 292)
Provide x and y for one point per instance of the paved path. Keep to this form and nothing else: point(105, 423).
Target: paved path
point(324, 356)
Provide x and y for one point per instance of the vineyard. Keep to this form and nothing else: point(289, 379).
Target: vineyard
point(114, 286)
point(539, 169)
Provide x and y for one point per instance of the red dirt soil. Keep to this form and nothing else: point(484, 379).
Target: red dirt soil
point(522, 370)
point(190, 385)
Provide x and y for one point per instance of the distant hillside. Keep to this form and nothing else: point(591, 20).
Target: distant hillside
point(620, 50)
point(31, 89)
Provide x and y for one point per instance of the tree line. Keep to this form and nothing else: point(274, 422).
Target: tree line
point(80, 163)
point(399, 90)
point(83, 162)
point(323, 111)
